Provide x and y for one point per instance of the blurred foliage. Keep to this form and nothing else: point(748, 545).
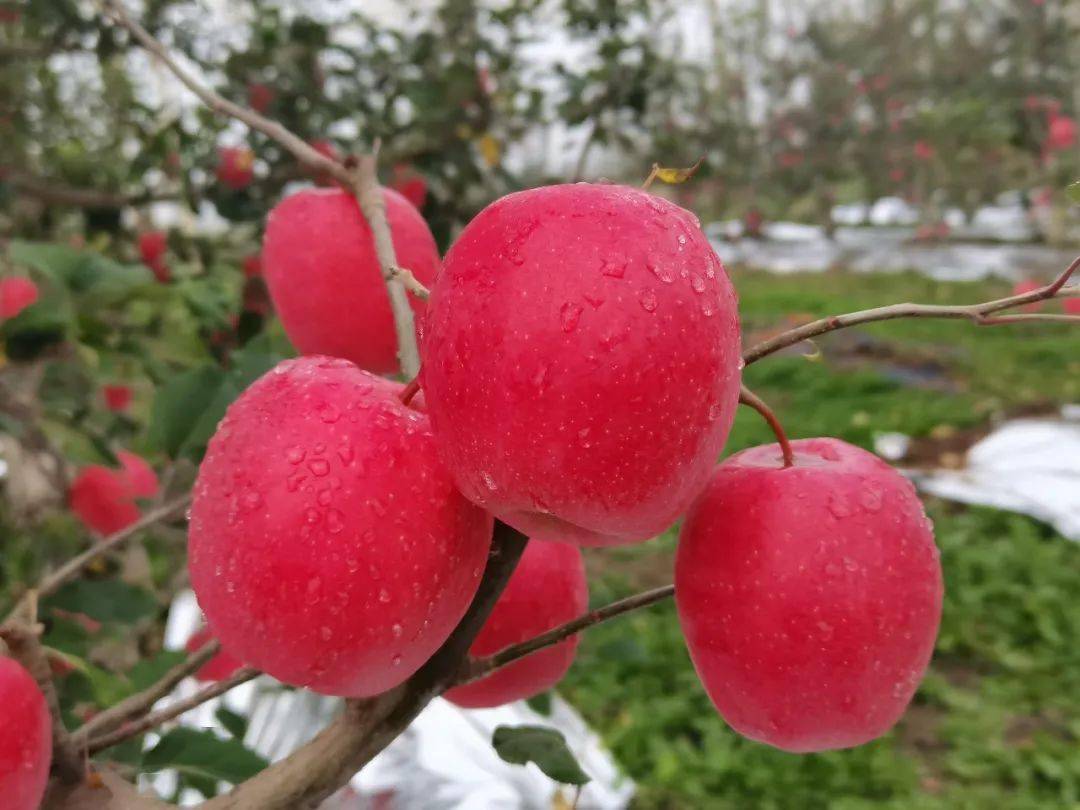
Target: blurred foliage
point(937, 101)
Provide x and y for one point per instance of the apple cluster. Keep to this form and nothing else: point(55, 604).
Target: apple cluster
point(581, 366)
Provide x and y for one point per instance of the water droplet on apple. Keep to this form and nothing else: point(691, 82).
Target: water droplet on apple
point(613, 268)
point(839, 506)
point(662, 273)
point(570, 314)
point(335, 521)
point(648, 301)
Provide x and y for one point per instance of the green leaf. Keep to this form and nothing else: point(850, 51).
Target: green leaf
point(107, 600)
point(180, 404)
point(187, 409)
point(235, 724)
point(541, 704)
point(546, 747)
point(1072, 191)
point(59, 262)
point(151, 670)
point(203, 754)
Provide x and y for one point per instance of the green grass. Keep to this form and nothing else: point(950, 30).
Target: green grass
point(997, 721)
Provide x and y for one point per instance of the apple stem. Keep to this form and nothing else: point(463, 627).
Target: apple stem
point(748, 397)
point(409, 391)
point(652, 176)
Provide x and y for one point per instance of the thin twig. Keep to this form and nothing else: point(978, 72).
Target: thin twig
point(300, 149)
point(748, 397)
point(155, 719)
point(369, 196)
point(409, 282)
point(143, 701)
point(55, 193)
point(23, 642)
point(359, 178)
point(480, 667)
point(652, 176)
point(410, 390)
point(980, 314)
point(72, 567)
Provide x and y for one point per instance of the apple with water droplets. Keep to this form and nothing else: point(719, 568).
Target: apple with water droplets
point(328, 546)
point(581, 362)
point(809, 596)
point(546, 590)
point(320, 265)
point(25, 738)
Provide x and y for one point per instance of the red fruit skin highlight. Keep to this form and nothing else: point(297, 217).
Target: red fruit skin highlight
point(547, 589)
point(25, 738)
point(809, 597)
point(327, 544)
point(581, 362)
point(320, 265)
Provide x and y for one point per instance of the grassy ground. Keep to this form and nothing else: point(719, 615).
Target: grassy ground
point(997, 721)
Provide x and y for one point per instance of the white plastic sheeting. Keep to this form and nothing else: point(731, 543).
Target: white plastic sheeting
point(1030, 466)
point(444, 760)
point(790, 247)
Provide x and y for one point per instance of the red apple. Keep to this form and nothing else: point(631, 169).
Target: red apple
point(809, 596)
point(320, 265)
point(924, 150)
point(103, 499)
point(218, 668)
point(25, 738)
point(236, 167)
point(1061, 133)
point(1072, 306)
point(547, 589)
point(140, 475)
point(117, 397)
point(152, 245)
point(327, 544)
point(411, 185)
point(16, 294)
point(260, 96)
point(252, 265)
point(581, 362)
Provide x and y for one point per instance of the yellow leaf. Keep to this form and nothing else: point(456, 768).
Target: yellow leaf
point(668, 175)
point(490, 149)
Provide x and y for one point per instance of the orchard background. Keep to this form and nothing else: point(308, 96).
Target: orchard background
point(138, 214)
